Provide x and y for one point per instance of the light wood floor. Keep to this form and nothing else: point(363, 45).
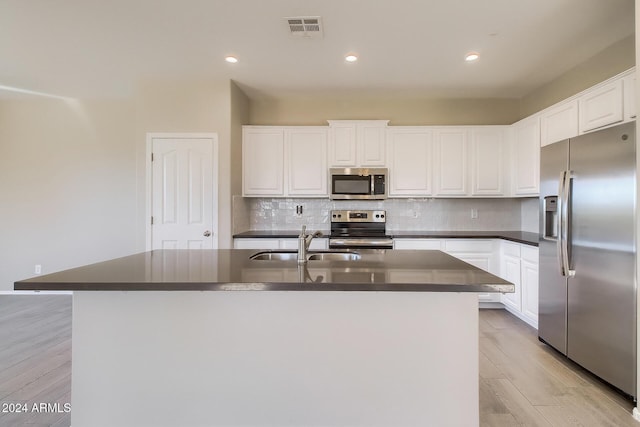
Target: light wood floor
point(522, 381)
point(526, 383)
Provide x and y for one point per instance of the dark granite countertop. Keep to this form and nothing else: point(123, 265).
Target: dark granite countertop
point(525, 237)
point(232, 270)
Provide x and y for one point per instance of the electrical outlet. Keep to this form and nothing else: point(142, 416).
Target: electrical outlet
point(37, 269)
point(474, 213)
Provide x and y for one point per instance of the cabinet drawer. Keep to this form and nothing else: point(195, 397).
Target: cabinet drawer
point(511, 249)
point(433, 244)
point(466, 245)
point(530, 253)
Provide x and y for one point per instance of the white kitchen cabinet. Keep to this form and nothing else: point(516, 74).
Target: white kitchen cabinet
point(488, 166)
point(601, 106)
point(262, 161)
point(288, 243)
point(418, 244)
point(519, 265)
point(357, 143)
point(451, 159)
point(529, 280)
point(477, 252)
point(307, 161)
point(410, 156)
point(510, 270)
point(515, 262)
point(559, 122)
point(629, 94)
point(282, 161)
point(526, 157)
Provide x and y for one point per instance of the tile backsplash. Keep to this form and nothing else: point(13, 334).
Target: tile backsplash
point(402, 214)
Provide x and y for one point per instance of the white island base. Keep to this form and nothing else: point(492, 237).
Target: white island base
point(274, 358)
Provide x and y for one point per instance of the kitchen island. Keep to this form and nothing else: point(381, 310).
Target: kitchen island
point(214, 338)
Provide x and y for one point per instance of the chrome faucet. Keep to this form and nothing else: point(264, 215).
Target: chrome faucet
point(304, 240)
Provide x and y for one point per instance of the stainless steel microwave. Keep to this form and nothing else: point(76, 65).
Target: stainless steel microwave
point(358, 183)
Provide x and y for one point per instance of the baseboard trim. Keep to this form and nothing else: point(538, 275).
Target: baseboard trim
point(521, 317)
point(36, 292)
point(636, 414)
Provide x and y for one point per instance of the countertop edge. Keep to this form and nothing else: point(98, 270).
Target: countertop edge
point(524, 237)
point(266, 286)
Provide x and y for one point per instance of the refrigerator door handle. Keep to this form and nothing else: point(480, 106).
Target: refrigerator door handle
point(559, 252)
point(564, 232)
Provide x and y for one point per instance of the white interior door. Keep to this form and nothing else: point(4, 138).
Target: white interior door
point(184, 193)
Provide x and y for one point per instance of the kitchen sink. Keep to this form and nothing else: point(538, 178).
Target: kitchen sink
point(311, 256)
point(333, 256)
point(274, 256)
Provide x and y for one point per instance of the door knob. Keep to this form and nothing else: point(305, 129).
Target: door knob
point(206, 233)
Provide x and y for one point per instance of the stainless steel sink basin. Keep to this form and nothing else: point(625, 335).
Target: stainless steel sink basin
point(334, 256)
point(312, 256)
point(274, 256)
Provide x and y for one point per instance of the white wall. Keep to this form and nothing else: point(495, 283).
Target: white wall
point(67, 184)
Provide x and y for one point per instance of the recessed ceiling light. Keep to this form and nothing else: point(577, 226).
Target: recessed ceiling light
point(231, 59)
point(472, 56)
point(351, 58)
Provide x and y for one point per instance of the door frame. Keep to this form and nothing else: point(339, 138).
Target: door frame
point(149, 177)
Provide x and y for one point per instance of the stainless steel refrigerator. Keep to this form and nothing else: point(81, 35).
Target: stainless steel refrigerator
point(587, 293)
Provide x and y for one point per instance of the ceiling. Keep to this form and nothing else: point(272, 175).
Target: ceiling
point(410, 48)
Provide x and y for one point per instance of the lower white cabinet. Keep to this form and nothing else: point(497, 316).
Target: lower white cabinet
point(515, 262)
point(529, 280)
point(519, 265)
point(288, 243)
point(477, 252)
point(510, 270)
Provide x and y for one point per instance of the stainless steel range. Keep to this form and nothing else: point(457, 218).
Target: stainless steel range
point(359, 229)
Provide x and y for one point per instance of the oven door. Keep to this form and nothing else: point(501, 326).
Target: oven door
point(361, 243)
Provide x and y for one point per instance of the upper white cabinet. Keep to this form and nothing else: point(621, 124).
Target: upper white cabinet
point(629, 94)
point(559, 122)
point(262, 161)
point(526, 157)
point(307, 161)
point(410, 152)
point(488, 154)
point(450, 166)
point(284, 161)
point(357, 143)
point(601, 106)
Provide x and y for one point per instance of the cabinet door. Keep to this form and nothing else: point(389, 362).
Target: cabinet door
point(559, 122)
point(629, 88)
point(342, 145)
point(307, 161)
point(263, 161)
point(488, 162)
point(529, 280)
point(371, 145)
point(526, 157)
point(450, 164)
point(410, 157)
point(530, 291)
point(510, 270)
point(601, 107)
point(258, 243)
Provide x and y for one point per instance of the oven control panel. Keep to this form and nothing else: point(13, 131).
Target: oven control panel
point(358, 216)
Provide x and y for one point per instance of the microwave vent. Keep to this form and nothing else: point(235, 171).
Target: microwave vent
point(305, 26)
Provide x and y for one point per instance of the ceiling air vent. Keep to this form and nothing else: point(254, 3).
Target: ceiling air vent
point(305, 26)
